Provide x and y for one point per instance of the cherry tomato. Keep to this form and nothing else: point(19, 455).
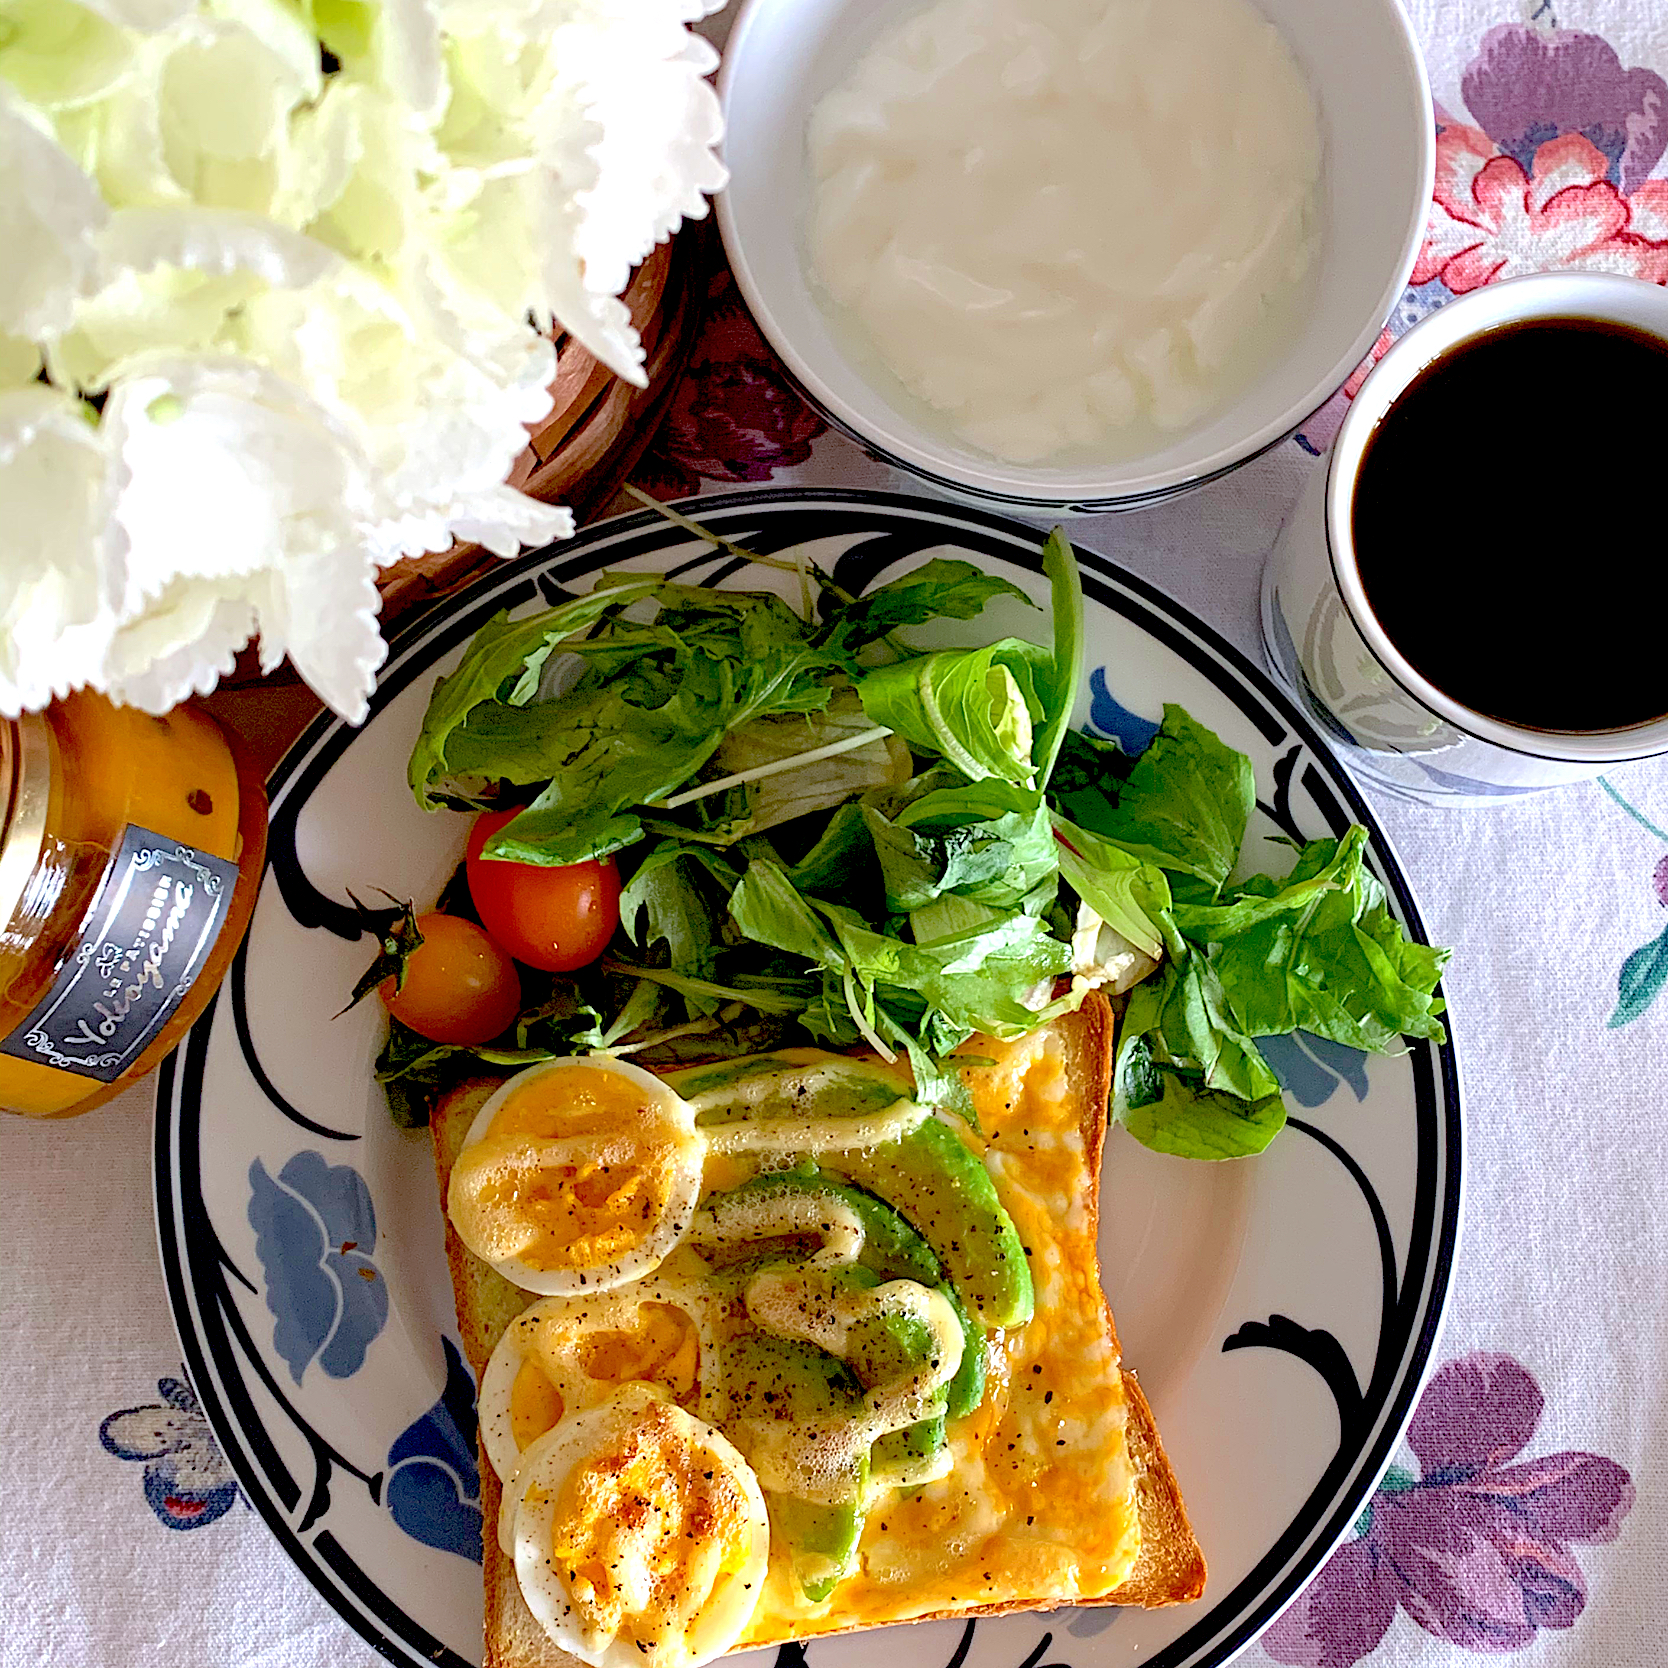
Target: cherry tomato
point(554, 918)
point(459, 986)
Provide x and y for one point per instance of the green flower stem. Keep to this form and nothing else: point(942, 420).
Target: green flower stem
point(1638, 816)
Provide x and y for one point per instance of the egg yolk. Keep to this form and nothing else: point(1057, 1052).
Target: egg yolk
point(572, 1172)
point(663, 1349)
point(535, 1405)
point(643, 1534)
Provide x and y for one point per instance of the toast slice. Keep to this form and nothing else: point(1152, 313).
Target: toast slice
point(1072, 1060)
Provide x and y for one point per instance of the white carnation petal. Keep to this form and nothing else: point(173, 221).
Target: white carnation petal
point(20, 361)
point(49, 211)
point(145, 16)
point(60, 57)
point(657, 161)
point(599, 322)
point(232, 472)
point(156, 299)
point(60, 556)
point(410, 57)
point(179, 647)
point(322, 611)
point(281, 29)
point(502, 520)
point(216, 240)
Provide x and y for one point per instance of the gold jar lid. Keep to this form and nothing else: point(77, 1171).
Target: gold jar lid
point(26, 794)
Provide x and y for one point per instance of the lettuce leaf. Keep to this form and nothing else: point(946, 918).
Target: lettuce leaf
point(937, 590)
point(1129, 895)
point(1186, 803)
point(502, 649)
point(969, 706)
point(1171, 1111)
point(1324, 955)
point(989, 842)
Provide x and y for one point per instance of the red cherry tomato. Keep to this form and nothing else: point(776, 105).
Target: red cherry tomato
point(554, 918)
point(459, 986)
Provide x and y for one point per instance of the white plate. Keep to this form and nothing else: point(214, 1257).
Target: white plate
point(1281, 1311)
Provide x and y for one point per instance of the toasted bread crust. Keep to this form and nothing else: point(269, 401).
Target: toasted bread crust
point(1170, 1568)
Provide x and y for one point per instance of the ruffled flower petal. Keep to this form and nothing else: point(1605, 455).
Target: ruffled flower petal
point(49, 213)
point(59, 55)
point(20, 361)
point(245, 507)
point(61, 557)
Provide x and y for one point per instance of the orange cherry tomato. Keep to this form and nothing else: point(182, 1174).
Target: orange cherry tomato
point(554, 918)
point(459, 986)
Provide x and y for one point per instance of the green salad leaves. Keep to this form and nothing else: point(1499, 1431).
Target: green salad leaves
point(828, 832)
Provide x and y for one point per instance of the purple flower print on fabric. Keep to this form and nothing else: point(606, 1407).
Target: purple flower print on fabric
point(1527, 86)
point(1476, 1549)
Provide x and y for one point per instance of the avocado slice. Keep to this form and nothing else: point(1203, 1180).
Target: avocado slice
point(941, 1187)
point(776, 1384)
point(967, 1389)
point(821, 1540)
point(901, 1458)
point(891, 1249)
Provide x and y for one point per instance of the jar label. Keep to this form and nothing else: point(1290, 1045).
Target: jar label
point(144, 939)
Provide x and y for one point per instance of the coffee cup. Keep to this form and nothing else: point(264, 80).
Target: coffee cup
point(1393, 723)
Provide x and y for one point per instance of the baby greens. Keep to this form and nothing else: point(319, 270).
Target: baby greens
point(824, 831)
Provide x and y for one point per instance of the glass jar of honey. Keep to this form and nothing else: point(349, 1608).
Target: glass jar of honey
point(130, 855)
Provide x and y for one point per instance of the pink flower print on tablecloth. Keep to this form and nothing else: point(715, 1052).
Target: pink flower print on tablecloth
point(1476, 1549)
point(1491, 221)
point(734, 415)
point(1553, 176)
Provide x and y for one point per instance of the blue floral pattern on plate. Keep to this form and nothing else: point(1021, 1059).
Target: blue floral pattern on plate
point(1311, 1068)
point(315, 1233)
point(187, 1480)
point(434, 1478)
point(1114, 720)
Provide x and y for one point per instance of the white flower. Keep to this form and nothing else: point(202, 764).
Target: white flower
point(590, 128)
point(48, 213)
point(61, 554)
point(244, 508)
point(295, 249)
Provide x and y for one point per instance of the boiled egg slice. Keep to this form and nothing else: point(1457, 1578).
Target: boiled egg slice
point(577, 1175)
point(566, 1354)
point(640, 1535)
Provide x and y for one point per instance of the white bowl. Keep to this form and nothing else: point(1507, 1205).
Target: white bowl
point(1363, 63)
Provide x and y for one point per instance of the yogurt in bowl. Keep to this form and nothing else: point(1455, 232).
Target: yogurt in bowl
point(1068, 230)
point(1073, 254)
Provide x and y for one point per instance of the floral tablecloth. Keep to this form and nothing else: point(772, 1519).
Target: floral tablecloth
point(1525, 1515)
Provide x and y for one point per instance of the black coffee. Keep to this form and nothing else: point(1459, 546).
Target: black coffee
point(1509, 524)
